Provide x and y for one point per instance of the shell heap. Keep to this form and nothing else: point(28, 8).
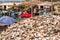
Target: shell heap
point(45, 27)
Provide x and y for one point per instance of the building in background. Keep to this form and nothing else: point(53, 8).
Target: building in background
point(5, 4)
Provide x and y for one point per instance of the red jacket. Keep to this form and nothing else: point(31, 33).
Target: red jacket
point(26, 15)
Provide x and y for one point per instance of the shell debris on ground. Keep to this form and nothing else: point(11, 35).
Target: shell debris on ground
point(45, 27)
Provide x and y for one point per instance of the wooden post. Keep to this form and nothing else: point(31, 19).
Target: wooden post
point(51, 5)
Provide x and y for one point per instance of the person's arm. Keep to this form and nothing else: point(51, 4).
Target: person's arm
point(2, 14)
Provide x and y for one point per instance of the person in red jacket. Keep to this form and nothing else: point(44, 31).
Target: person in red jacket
point(25, 14)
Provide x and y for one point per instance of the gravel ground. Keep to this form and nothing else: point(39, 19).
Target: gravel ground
point(45, 27)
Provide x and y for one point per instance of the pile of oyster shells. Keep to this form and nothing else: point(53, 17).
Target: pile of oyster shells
point(46, 27)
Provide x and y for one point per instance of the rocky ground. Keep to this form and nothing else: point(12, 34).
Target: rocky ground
point(45, 27)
